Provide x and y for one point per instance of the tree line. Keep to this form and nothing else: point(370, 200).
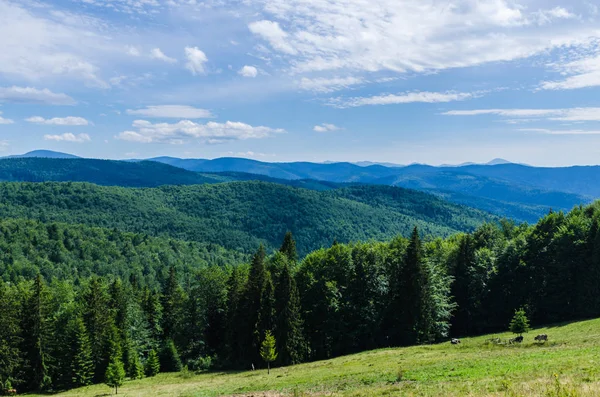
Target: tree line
point(58, 334)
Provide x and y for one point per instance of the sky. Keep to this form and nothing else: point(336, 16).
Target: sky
point(401, 81)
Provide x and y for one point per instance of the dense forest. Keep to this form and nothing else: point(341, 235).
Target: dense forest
point(59, 334)
point(242, 215)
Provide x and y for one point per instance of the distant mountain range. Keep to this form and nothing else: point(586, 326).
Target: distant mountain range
point(513, 190)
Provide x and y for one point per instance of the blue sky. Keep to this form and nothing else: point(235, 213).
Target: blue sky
point(281, 80)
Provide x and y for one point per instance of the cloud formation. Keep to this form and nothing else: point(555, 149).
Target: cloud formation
point(248, 71)
point(172, 111)
point(407, 97)
point(16, 94)
point(156, 53)
point(70, 120)
point(196, 60)
point(182, 131)
point(566, 114)
point(325, 127)
point(5, 121)
point(68, 137)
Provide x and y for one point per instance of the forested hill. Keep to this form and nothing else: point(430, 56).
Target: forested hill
point(241, 215)
point(73, 252)
point(101, 172)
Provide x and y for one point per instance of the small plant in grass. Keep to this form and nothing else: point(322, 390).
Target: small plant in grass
point(185, 373)
point(400, 375)
point(519, 323)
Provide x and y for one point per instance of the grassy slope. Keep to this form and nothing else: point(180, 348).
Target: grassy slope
point(474, 368)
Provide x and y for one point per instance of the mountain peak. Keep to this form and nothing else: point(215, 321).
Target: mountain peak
point(45, 154)
point(498, 161)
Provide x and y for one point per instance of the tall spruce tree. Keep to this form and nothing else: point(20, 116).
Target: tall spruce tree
point(413, 279)
point(236, 318)
point(461, 287)
point(10, 335)
point(35, 337)
point(288, 247)
point(250, 333)
point(289, 332)
point(173, 301)
point(99, 321)
point(82, 366)
point(152, 367)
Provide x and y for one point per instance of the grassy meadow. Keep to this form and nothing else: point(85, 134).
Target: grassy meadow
point(567, 365)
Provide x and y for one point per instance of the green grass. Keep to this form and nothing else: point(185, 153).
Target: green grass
point(568, 365)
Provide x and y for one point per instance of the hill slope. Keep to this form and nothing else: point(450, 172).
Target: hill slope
point(101, 172)
point(240, 215)
point(511, 185)
point(566, 365)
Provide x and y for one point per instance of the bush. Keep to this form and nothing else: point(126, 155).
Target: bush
point(202, 363)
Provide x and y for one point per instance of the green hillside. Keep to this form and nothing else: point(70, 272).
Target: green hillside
point(566, 365)
point(100, 172)
point(62, 251)
point(241, 215)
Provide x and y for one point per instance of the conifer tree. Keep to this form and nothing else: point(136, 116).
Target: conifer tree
point(519, 323)
point(115, 373)
point(152, 367)
point(10, 331)
point(99, 322)
point(413, 281)
point(172, 306)
point(257, 280)
point(35, 337)
point(169, 358)
point(266, 320)
point(235, 317)
point(288, 248)
point(268, 351)
point(289, 333)
point(82, 366)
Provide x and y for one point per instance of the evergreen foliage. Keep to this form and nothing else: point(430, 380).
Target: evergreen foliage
point(519, 323)
point(82, 366)
point(152, 367)
point(268, 350)
point(169, 358)
point(115, 374)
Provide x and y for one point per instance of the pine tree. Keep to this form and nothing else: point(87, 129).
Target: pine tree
point(154, 315)
point(169, 358)
point(10, 331)
point(413, 280)
point(268, 351)
point(152, 367)
point(82, 366)
point(266, 319)
point(288, 248)
point(289, 333)
point(173, 300)
point(35, 337)
point(519, 323)
point(99, 322)
point(249, 333)
point(235, 317)
point(115, 374)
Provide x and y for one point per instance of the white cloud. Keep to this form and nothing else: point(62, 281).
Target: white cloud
point(41, 42)
point(547, 16)
point(182, 131)
point(272, 32)
point(133, 51)
point(584, 73)
point(325, 127)
point(561, 132)
point(248, 71)
point(5, 121)
point(172, 111)
point(566, 114)
point(326, 85)
point(408, 97)
point(70, 120)
point(156, 53)
point(68, 137)
point(16, 94)
point(412, 35)
point(196, 60)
